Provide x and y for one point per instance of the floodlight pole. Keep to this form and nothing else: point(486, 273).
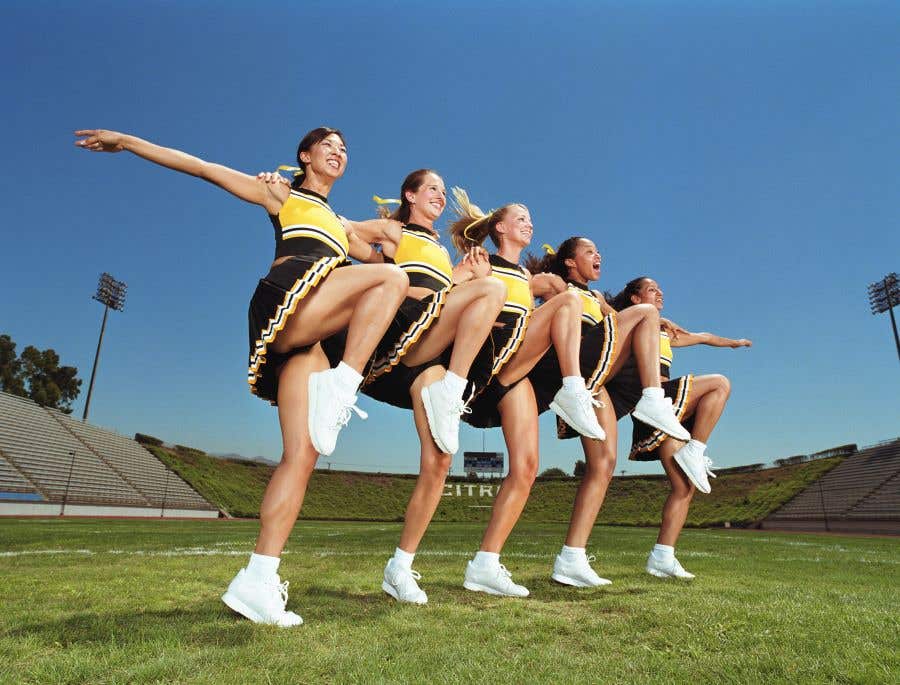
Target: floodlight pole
point(890, 304)
point(87, 404)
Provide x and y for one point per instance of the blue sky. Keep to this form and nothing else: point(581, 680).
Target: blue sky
point(743, 154)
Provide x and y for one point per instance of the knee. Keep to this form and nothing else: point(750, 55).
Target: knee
point(494, 290)
point(436, 467)
point(299, 460)
point(600, 471)
point(572, 301)
point(394, 278)
point(526, 473)
point(648, 312)
point(723, 385)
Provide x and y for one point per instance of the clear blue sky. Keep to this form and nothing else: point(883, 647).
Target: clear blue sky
point(743, 154)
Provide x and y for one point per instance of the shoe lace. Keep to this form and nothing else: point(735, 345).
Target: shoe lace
point(282, 590)
point(709, 467)
point(591, 558)
point(460, 407)
point(345, 412)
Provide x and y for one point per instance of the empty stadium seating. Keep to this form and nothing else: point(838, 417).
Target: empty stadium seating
point(48, 456)
point(862, 493)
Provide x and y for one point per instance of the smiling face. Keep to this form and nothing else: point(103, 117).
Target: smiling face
point(650, 293)
point(515, 226)
point(427, 201)
point(326, 158)
point(584, 264)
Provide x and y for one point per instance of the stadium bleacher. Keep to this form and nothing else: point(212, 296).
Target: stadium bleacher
point(860, 495)
point(50, 464)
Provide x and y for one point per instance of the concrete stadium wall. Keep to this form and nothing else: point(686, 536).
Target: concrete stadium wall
point(49, 509)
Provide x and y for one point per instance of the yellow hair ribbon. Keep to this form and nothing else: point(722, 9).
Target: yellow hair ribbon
point(385, 201)
point(477, 221)
point(548, 249)
point(298, 171)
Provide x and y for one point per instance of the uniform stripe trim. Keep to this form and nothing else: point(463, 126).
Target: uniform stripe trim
point(656, 438)
point(410, 336)
point(314, 232)
point(313, 276)
point(607, 354)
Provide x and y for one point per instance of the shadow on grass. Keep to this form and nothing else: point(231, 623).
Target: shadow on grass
point(206, 624)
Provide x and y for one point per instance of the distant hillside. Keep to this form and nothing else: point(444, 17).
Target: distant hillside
point(741, 499)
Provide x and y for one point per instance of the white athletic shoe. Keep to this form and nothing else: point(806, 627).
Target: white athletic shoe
point(400, 583)
point(260, 601)
point(494, 580)
point(329, 410)
point(691, 460)
point(577, 573)
point(709, 467)
point(658, 412)
point(576, 408)
point(443, 409)
point(667, 569)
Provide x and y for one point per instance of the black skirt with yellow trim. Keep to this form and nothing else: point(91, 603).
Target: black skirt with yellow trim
point(412, 319)
point(645, 440)
point(598, 349)
point(274, 301)
point(484, 391)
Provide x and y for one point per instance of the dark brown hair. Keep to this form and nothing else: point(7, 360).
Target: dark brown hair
point(623, 299)
point(555, 263)
point(317, 135)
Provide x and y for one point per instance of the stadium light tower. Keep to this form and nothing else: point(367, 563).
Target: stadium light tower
point(883, 295)
point(111, 294)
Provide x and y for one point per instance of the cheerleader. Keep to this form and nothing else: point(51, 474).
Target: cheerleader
point(609, 340)
point(506, 398)
point(445, 305)
point(699, 402)
point(301, 301)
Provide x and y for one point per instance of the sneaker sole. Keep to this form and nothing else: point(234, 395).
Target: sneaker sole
point(705, 489)
point(238, 607)
point(429, 414)
point(565, 417)
point(666, 576)
point(477, 587)
point(568, 580)
point(678, 433)
point(312, 394)
point(388, 588)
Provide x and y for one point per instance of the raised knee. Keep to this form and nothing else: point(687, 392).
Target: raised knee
point(396, 277)
point(572, 301)
point(648, 311)
point(723, 385)
point(494, 289)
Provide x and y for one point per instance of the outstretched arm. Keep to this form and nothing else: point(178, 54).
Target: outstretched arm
point(241, 185)
point(686, 339)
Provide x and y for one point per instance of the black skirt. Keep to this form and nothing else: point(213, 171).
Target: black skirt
point(645, 440)
point(274, 301)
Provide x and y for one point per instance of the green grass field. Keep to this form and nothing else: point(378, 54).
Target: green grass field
point(117, 601)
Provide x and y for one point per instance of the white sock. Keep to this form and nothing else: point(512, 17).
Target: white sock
point(262, 567)
point(574, 383)
point(696, 445)
point(347, 378)
point(486, 559)
point(455, 384)
point(653, 393)
point(404, 559)
point(573, 553)
point(663, 552)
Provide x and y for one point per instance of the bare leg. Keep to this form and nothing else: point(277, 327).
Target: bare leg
point(433, 469)
point(638, 330)
point(600, 464)
point(556, 322)
point(466, 320)
point(706, 403)
point(287, 487)
point(518, 413)
point(675, 509)
point(362, 298)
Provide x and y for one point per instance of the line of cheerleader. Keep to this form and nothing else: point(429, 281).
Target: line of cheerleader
point(405, 325)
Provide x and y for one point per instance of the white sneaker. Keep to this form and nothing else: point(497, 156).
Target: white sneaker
point(658, 412)
point(494, 580)
point(709, 467)
point(577, 573)
point(576, 408)
point(400, 583)
point(260, 601)
point(329, 410)
point(691, 460)
point(667, 569)
point(443, 409)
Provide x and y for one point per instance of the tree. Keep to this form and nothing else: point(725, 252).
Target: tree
point(11, 380)
point(36, 374)
point(580, 467)
point(554, 473)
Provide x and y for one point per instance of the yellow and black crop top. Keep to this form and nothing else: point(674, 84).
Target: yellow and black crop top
point(592, 314)
point(306, 226)
point(518, 292)
point(424, 259)
point(665, 354)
